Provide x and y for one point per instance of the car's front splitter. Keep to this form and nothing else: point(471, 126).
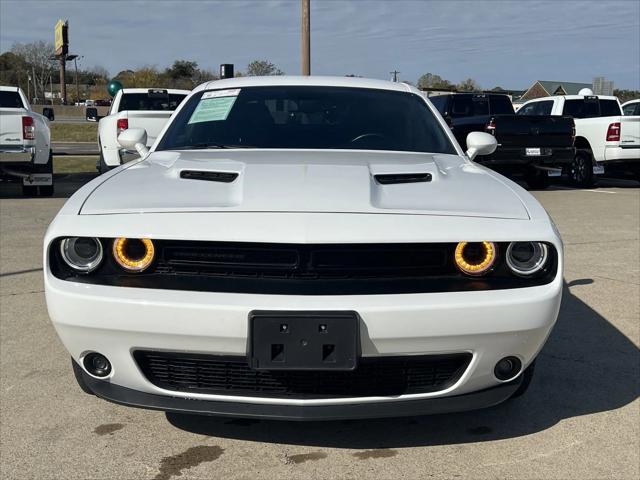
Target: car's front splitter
point(430, 406)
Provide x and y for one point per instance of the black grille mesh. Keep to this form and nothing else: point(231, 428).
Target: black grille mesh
point(231, 375)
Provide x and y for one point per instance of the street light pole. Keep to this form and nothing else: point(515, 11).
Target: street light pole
point(306, 37)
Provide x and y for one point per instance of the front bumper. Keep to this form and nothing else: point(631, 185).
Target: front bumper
point(116, 321)
point(133, 398)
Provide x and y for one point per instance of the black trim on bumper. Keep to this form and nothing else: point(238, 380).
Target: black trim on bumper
point(133, 398)
point(554, 157)
point(628, 166)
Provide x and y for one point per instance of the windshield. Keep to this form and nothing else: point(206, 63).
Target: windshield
point(145, 101)
point(307, 118)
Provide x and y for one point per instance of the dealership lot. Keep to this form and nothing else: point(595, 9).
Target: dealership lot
point(578, 420)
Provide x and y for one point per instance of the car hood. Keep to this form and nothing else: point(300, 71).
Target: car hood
point(305, 181)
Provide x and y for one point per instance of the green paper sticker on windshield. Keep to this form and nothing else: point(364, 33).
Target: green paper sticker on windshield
point(213, 109)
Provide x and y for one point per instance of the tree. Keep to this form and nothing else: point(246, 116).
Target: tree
point(14, 70)
point(38, 57)
point(182, 69)
point(260, 68)
point(98, 72)
point(145, 77)
point(468, 85)
point(626, 95)
point(430, 80)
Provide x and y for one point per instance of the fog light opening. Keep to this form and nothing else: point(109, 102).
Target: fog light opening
point(97, 364)
point(507, 368)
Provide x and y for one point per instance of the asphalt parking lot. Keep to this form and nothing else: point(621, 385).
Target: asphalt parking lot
point(578, 420)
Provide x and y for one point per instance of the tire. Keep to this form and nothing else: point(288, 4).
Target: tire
point(581, 169)
point(102, 166)
point(527, 376)
point(29, 191)
point(46, 190)
point(537, 180)
point(78, 373)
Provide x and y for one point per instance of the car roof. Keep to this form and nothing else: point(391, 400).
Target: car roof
point(145, 90)
point(631, 101)
point(315, 80)
point(6, 88)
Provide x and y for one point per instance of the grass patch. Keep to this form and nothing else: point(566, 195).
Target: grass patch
point(73, 164)
point(74, 132)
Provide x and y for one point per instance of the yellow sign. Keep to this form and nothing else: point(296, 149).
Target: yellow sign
point(61, 43)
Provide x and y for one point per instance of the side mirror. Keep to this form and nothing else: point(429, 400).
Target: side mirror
point(480, 143)
point(135, 140)
point(91, 114)
point(49, 113)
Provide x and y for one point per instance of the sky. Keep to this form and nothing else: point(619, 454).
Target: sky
point(498, 43)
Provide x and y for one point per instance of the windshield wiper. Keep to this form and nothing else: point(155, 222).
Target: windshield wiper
point(206, 145)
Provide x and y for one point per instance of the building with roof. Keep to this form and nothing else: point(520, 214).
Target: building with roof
point(546, 88)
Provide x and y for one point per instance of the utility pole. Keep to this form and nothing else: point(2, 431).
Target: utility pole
point(75, 63)
point(63, 79)
point(306, 37)
point(395, 75)
point(35, 83)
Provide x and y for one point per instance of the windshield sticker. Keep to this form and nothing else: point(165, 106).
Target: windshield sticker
point(231, 92)
point(213, 109)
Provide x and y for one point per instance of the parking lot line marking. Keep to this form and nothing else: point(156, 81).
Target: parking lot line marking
point(599, 191)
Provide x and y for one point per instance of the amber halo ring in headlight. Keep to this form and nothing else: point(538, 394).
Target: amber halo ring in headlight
point(527, 258)
point(133, 254)
point(475, 258)
point(83, 254)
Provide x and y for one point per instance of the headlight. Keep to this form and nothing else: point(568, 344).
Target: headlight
point(475, 258)
point(527, 258)
point(83, 254)
point(133, 254)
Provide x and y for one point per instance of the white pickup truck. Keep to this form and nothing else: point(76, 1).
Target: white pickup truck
point(148, 108)
point(606, 141)
point(25, 143)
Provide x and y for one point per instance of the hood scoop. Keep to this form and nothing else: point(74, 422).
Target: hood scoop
point(396, 178)
point(208, 175)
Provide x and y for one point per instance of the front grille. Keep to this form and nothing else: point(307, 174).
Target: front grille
point(305, 261)
point(231, 375)
point(303, 269)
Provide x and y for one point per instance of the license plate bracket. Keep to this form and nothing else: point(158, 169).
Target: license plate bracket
point(38, 179)
point(290, 340)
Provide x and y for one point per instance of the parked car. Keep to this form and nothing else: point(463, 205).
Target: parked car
point(147, 108)
point(535, 147)
point(631, 108)
point(304, 248)
point(25, 143)
point(606, 141)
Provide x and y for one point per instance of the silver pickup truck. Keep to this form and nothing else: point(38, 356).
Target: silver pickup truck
point(25, 143)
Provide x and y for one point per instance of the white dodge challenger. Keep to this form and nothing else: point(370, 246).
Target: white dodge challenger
point(303, 248)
